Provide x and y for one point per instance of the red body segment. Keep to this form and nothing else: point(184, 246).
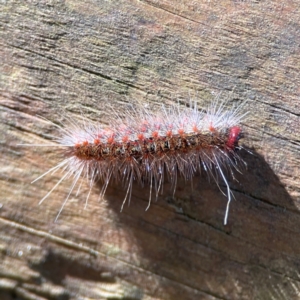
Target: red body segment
point(234, 136)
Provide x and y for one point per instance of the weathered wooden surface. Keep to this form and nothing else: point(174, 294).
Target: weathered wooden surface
point(76, 56)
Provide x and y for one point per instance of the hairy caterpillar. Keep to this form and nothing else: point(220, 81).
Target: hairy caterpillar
point(146, 146)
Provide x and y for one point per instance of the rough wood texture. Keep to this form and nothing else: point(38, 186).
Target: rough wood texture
point(75, 56)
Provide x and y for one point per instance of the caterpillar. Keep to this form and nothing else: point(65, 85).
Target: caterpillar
point(147, 146)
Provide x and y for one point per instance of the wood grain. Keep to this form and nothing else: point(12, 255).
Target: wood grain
point(76, 57)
